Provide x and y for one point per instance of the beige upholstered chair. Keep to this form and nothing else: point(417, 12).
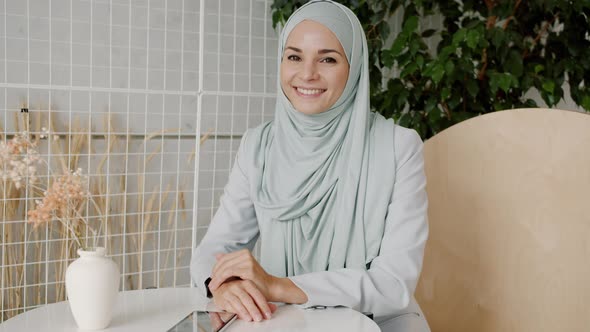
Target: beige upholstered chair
point(509, 246)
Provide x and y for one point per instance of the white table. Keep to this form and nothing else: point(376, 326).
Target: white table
point(157, 310)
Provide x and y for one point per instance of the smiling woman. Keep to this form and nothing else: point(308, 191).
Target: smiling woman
point(314, 68)
point(335, 193)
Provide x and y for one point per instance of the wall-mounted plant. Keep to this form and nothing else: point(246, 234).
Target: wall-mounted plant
point(487, 56)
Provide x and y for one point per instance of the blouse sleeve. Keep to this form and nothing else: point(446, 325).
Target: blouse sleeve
point(389, 284)
point(234, 226)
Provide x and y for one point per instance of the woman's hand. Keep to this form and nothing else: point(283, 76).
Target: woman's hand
point(243, 298)
point(243, 265)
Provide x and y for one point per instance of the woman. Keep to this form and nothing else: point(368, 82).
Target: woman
point(335, 192)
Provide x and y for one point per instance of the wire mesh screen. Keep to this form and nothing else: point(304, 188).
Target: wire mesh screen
point(239, 85)
point(114, 87)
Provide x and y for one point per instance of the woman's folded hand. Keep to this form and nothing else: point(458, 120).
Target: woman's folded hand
point(242, 264)
point(243, 298)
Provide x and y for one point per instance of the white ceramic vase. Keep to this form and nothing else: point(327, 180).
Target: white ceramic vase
point(92, 284)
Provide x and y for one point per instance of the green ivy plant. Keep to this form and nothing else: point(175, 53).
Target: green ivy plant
point(488, 55)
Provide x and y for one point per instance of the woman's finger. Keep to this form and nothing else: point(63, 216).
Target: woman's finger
point(273, 307)
point(218, 279)
point(216, 321)
point(250, 305)
point(242, 266)
point(238, 308)
point(259, 299)
point(224, 256)
point(229, 260)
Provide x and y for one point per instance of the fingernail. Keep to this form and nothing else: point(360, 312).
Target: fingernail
point(258, 318)
point(267, 314)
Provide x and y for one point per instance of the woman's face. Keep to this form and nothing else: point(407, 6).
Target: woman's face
point(314, 68)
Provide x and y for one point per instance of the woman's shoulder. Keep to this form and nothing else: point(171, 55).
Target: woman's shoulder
point(407, 137)
point(403, 137)
point(255, 135)
point(253, 143)
point(406, 141)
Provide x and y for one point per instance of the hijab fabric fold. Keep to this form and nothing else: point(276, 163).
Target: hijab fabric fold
point(321, 183)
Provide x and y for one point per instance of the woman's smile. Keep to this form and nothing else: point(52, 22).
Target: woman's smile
point(309, 92)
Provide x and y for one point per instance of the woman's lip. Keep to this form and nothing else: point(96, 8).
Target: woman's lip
point(308, 92)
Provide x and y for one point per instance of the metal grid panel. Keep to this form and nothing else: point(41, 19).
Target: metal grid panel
point(238, 90)
point(117, 82)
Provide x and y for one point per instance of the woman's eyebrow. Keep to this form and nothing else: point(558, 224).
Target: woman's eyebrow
point(322, 51)
point(293, 48)
point(327, 50)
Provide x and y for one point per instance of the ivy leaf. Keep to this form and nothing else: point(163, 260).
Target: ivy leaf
point(428, 33)
point(501, 80)
point(437, 73)
point(473, 38)
point(505, 81)
point(549, 98)
point(434, 115)
point(454, 101)
point(498, 37)
point(429, 68)
point(586, 102)
point(530, 103)
point(277, 18)
point(462, 116)
point(459, 36)
point(472, 88)
point(449, 67)
point(514, 64)
point(388, 58)
point(404, 120)
point(402, 98)
point(549, 86)
point(445, 93)
point(398, 45)
point(430, 104)
point(420, 61)
point(446, 51)
point(408, 70)
point(414, 46)
point(384, 29)
point(410, 24)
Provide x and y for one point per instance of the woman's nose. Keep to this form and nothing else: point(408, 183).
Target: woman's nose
point(309, 71)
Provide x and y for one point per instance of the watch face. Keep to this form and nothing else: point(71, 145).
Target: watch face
point(204, 321)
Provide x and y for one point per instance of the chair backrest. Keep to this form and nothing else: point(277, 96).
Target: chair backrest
point(509, 210)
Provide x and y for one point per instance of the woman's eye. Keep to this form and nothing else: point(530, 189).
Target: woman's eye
point(329, 60)
point(293, 57)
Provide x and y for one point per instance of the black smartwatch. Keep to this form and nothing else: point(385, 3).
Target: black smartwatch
point(209, 295)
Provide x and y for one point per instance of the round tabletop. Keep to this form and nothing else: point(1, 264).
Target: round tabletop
point(157, 310)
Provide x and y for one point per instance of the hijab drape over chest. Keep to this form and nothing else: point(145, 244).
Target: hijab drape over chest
point(321, 183)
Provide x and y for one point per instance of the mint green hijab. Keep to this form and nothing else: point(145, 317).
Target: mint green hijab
point(321, 183)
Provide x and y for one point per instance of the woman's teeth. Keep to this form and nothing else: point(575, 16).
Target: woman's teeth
point(310, 91)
